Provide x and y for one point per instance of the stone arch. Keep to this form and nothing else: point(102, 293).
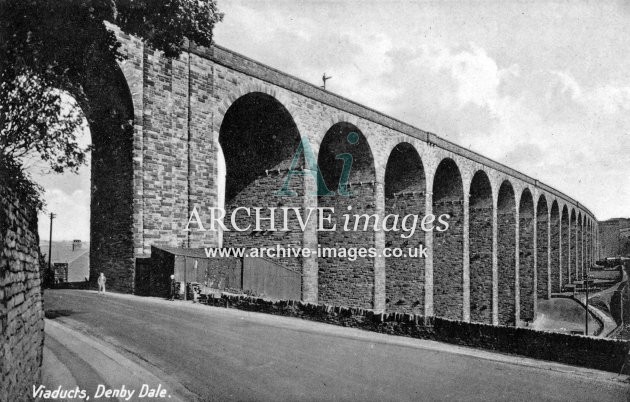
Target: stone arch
point(338, 119)
point(257, 88)
point(480, 251)
point(341, 281)
point(506, 253)
point(405, 185)
point(543, 274)
point(110, 114)
point(526, 256)
point(555, 247)
point(259, 139)
point(448, 199)
point(566, 246)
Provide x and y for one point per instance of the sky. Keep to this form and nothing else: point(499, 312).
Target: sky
point(540, 86)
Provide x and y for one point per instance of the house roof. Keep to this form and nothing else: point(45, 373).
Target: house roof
point(62, 251)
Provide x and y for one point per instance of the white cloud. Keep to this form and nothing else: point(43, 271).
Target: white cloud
point(606, 99)
point(72, 212)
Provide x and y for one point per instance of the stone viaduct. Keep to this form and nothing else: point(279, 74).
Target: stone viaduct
point(158, 126)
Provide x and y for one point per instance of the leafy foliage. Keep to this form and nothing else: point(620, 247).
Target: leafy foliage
point(49, 45)
point(13, 176)
point(34, 120)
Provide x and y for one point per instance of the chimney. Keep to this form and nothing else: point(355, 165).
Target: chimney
point(76, 245)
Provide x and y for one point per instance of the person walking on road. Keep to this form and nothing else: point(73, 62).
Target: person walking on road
point(101, 283)
point(172, 287)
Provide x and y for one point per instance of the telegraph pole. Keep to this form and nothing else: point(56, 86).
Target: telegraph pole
point(52, 216)
point(586, 282)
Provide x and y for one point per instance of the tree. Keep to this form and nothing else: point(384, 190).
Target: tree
point(48, 46)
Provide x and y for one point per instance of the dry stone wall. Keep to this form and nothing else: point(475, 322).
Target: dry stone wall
point(21, 310)
point(598, 353)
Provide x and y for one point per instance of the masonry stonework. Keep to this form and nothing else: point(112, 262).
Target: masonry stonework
point(526, 272)
point(481, 249)
point(447, 245)
point(159, 126)
point(405, 188)
point(543, 258)
point(555, 248)
point(340, 278)
point(21, 310)
point(506, 222)
point(566, 248)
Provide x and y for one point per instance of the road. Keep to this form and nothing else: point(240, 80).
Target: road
point(208, 353)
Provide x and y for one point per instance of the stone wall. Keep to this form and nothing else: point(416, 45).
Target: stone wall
point(612, 244)
point(448, 198)
point(542, 249)
point(526, 258)
point(340, 279)
point(405, 187)
point(571, 263)
point(480, 255)
point(555, 250)
point(21, 310)
point(506, 256)
point(597, 353)
point(481, 265)
point(565, 250)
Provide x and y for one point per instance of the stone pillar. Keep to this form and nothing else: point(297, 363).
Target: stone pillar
point(517, 249)
point(495, 262)
point(549, 251)
point(535, 251)
point(309, 240)
point(428, 264)
point(379, 243)
point(569, 250)
point(582, 246)
point(577, 249)
point(560, 234)
point(466, 260)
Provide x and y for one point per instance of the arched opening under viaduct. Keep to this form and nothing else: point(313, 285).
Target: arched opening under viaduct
point(448, 198)
point(341, 281)
point(405, 187)
point(526, 256)
point(506, 253)
point(555, 247)
point(480, 251)
point(259, 139)
point(542, 249)
point(566, 237)
point(68, 196)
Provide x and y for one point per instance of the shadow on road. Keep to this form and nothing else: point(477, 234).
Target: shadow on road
point(52, 314)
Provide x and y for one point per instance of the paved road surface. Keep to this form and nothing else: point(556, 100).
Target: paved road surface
point(208, 353)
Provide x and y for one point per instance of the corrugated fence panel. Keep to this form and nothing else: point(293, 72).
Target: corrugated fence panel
point(266, 278)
